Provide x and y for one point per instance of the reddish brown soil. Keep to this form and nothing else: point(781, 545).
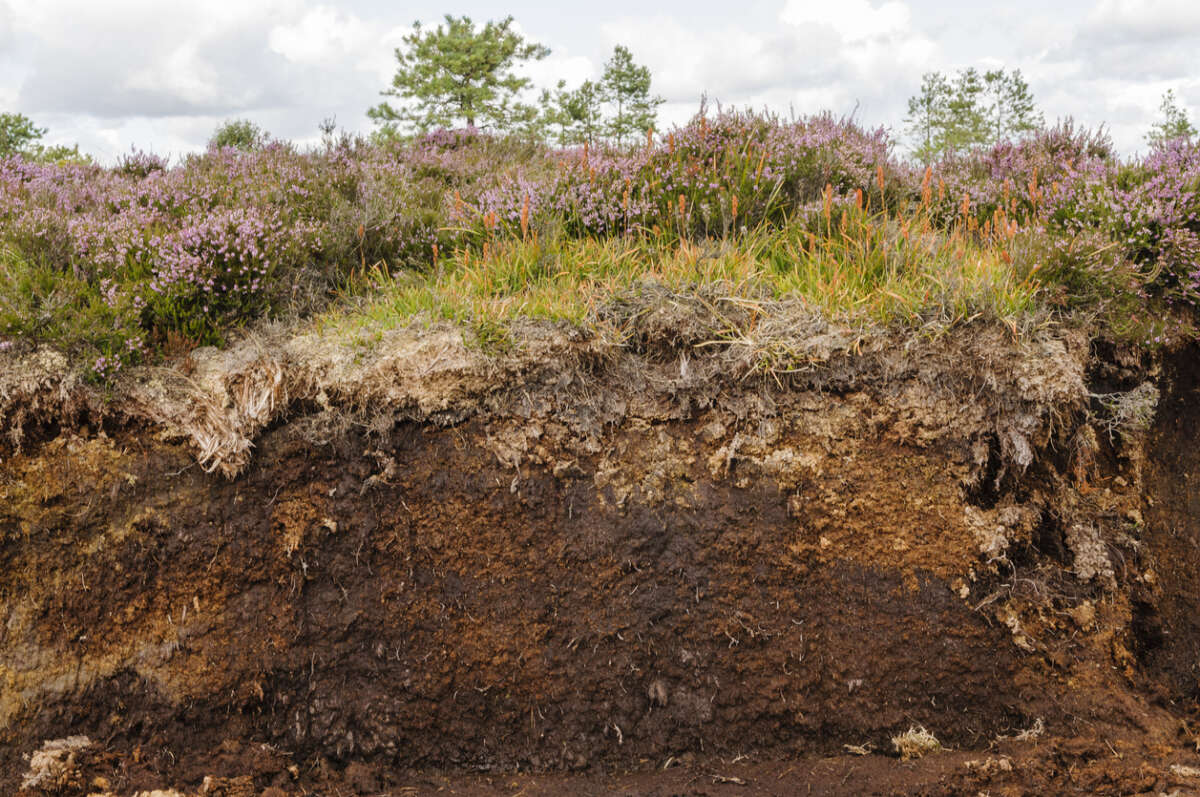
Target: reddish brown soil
point(411, 614)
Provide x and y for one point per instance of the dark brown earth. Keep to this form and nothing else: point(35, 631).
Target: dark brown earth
point(712, 596)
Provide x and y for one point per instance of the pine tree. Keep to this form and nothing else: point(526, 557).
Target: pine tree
point(1009, 108)
point(972, 110)
point(927, 115)
point(457, 74)
point(966, 125)
point(626, 86)
point(584, 107)
point(1174, 124)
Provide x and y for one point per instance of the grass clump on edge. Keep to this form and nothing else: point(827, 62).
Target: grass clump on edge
point(854, 268)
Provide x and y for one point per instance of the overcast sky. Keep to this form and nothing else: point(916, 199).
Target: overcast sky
point(115, 74)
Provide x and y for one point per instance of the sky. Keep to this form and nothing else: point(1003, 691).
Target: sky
point(117, 75)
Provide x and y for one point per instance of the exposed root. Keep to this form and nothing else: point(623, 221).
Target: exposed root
point(916, 742)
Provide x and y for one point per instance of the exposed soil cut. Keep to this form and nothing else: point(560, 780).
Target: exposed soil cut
point(613, 572)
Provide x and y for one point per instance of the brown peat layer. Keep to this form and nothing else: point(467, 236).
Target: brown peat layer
point(574, 566)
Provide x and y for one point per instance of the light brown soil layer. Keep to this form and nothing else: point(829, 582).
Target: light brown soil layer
point(618, 565)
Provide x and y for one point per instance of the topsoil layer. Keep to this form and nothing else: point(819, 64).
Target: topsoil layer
point(567, 570)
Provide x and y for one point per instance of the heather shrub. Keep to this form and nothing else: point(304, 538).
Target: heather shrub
point(1158, 221)
point(1079, 270)
point(112, 263)
point(39, 303)
point(710, 178)
point(138, 164)
point(1046, 174)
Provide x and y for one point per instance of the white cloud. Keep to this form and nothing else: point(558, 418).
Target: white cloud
point(99, 59)
point(324, 36)
point(852, 20)
point(560, 65)
point(1114, 66)
point(1144, 21)
point(821, 56)
point(182, 73)
point(6, 23)
point(162, 75)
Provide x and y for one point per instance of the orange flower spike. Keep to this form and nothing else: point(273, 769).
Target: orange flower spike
point(362, 231)
point(735, 207)
point(525, 218)
point(879, 177)
point(682, 205)
point(650, 138)
point(761, 161)
point(858, 198)
point(435, 253)
point(966, 205)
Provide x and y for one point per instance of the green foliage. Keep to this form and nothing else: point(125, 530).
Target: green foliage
point(40, 302)
point(1009, 111)
point(1174, 123)
point(1085, 270)
point(18, 134)
point(627, 86)
point(966, 125)
point(858, 266)
point(973, 109)
point(928, 115)
point(62, 154)
point(240, 134)
point(457, 74)
point(578, 114)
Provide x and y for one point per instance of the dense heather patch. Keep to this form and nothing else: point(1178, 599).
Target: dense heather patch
point(119, 265)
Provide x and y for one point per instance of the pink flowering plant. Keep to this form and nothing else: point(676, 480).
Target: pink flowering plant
point(111, 264)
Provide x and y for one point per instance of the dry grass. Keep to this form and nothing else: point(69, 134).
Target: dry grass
point(916, 742)
point(866, 269)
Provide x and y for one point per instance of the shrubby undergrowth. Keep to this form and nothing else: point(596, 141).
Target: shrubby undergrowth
point(119, 265)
